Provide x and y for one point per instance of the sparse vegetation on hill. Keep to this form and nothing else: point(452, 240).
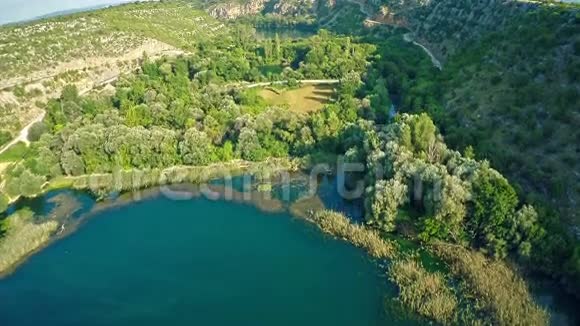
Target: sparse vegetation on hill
point(37, 60)
point(109, 32)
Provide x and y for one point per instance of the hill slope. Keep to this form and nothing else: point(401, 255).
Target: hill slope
point(37, 60)
point(511, 87)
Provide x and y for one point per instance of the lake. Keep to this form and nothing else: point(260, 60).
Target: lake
point(145, 259)
point(196, 262)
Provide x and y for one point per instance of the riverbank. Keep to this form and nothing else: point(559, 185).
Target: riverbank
point(478, 291)
point(196, 262)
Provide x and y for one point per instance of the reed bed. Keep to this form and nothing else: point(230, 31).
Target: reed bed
point(498, 291)
point(339, 226)
point(424, 293)
point(22, 237)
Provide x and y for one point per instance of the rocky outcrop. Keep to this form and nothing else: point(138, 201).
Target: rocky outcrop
point(293, 8)
point(234, 9)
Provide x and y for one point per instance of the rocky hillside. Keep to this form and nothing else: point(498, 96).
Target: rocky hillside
point(235, 9)
point(448, 25)
point(515, 95)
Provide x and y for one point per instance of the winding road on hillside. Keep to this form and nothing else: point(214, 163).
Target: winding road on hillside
point(408, 38)
point(369, 14)
point(23, 135)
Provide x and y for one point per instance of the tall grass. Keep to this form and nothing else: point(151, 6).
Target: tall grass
point(423, 292)
point(22, 237)
point(500, 293)
point(339, 226)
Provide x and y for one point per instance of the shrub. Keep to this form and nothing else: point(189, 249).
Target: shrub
point(5, 137)
point(37, 130)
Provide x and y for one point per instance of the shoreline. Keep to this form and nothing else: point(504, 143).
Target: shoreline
point(310, 209)
point(194, 175)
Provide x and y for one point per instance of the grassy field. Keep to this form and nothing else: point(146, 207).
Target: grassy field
point(15, 153)
point(302, 100)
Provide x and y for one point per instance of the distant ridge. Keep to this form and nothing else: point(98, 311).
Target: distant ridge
point(73, 11)
point(66, 12)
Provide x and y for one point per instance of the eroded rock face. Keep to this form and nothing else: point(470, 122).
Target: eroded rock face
point(293, 8)
point(232, 10)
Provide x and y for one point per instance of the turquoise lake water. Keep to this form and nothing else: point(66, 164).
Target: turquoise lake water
point(196, 262)
point(157, 261)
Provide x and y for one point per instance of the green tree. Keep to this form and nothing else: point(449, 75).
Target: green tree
point(70, 93)
point(72, 163)
point(383, 204)
point(350, 83)
point(36, 131)
point(493, 205)
point(249, 147)
point(469, 152)
point(31, 184)
point(226, 153)
point(424, 133)
point(525, 232)
point(196, 148)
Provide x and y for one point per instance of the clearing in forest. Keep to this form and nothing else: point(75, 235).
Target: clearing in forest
point(302, 100)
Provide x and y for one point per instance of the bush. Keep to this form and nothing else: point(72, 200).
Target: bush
point(5, 137)
point(36, 131)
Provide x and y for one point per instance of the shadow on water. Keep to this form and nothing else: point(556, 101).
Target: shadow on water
point(268, 196)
